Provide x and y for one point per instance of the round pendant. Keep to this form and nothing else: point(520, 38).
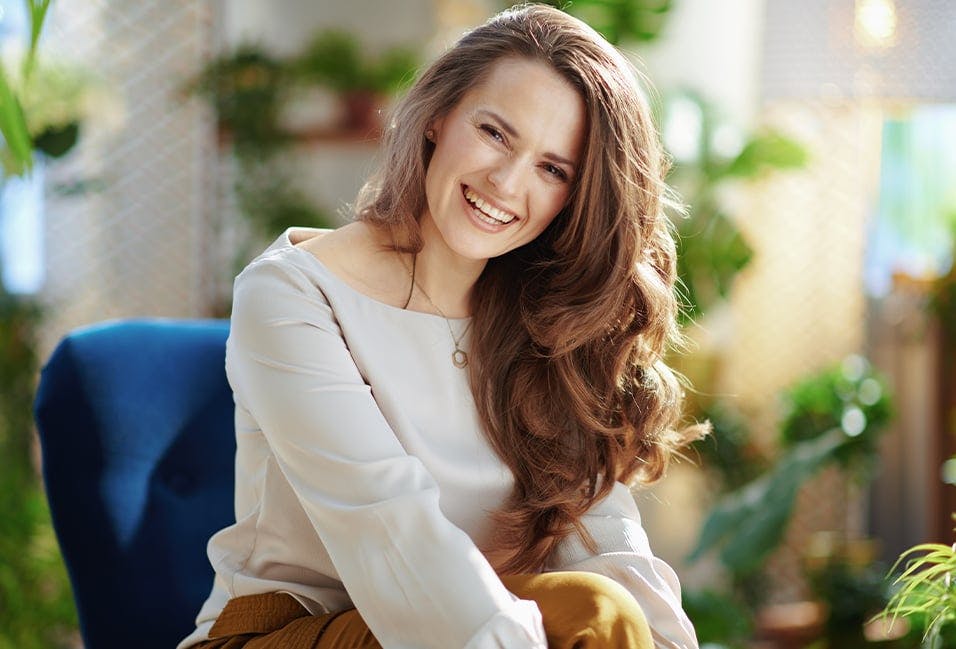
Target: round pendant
point(459, 358)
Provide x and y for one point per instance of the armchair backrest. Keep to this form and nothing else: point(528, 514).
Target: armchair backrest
point(136, 427)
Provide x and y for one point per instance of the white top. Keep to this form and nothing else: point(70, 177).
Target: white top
point(363, 477)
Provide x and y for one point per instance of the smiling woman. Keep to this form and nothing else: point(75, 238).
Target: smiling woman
point(493, 170)
point(440, 407)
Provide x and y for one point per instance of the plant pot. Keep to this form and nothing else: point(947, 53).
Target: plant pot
point(361, 111)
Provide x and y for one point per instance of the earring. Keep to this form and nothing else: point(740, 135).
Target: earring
point(430, 135)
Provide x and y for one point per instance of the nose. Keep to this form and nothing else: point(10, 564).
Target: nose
point(507, 176)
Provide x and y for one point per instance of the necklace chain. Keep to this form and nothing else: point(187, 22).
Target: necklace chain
point(459, 357)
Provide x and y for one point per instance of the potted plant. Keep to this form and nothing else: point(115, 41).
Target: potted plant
point(926, 594)
point(245, 88)
point(335, 59)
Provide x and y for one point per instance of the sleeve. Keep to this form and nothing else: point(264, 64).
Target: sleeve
point(417, 579)
point(625, 556)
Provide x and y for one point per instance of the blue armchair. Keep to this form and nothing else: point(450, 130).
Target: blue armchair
point(136, 426)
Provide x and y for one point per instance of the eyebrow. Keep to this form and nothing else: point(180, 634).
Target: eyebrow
point(510, 130)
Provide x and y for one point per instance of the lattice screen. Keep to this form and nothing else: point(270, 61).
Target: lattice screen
point(816, 48)
point(136, 244)
point(800, 304)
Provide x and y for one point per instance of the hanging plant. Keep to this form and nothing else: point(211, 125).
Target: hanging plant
point(620, 20)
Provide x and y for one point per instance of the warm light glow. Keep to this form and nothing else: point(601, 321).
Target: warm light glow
point(876, 22)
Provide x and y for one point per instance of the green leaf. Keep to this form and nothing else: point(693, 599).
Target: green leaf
point(13, 126)
point(749, 523)
point(767, 152)
point(710, 253)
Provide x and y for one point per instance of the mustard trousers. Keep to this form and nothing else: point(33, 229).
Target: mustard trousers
point(580, 610)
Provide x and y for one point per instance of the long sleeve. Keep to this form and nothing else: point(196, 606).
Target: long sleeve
point(625, 556)
point(417, 579)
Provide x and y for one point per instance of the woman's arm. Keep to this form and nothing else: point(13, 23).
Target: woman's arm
point(625, 556)
point(417, 580)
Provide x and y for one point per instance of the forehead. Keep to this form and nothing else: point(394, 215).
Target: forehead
point(533, 98)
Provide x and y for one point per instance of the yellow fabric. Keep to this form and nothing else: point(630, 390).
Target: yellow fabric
point(581, 610)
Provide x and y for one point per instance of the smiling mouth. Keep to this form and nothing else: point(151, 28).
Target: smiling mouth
point(485, 211)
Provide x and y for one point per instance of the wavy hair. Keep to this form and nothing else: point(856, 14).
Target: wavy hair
point(569, 330)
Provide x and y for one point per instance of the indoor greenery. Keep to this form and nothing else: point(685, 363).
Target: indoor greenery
point(925, 593)
point(335, 58)
point(845, 576)
point(248, 88)
point(17, 151)
point(720, 619)
point(36, 605)
point(711, 251)
point(833, 417)
point(245, 89)
point(620, 20)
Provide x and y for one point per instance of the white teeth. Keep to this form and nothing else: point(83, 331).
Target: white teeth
point(495, 215)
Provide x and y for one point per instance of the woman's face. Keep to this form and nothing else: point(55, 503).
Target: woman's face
point(505, 160)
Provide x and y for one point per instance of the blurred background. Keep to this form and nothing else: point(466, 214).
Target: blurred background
point(814, 143)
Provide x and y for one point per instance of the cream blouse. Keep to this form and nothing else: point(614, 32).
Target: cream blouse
point(363, 477)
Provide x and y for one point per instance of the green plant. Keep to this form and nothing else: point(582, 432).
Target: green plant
point(245, 88)
point(719, 619)
point(36, 604)
point(849, 396)
point(620, 20)
point(18, 150)
point(843, 575)
point(926, 593)
point(710, 249)
point(270, 202)
point(747, 524)
point(334, 58)
point(729, 453)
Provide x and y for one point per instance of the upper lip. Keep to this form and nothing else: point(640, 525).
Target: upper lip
point(491, 201)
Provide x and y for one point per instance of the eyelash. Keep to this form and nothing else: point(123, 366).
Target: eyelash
point(557, 172)
point(496, 135)
point(492, 132)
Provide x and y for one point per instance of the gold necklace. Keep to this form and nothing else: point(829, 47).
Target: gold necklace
point(458, 357)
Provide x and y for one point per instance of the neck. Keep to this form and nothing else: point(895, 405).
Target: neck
point(447, 278)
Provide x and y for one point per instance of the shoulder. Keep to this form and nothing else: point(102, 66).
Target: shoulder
point(361, 255)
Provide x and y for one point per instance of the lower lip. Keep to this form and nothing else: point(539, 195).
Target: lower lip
point(481, 224)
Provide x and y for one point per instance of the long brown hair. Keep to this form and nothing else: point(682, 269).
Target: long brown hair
point(569, 330)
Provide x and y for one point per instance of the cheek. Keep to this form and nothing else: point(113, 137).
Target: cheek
point(550, 205)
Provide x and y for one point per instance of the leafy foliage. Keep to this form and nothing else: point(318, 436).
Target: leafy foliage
point(849, 396)
point(17, 154)
point(710, 253)
point(620, 20)
point(926, 593)
point(747, 524)
point(729, 452)
point(718, 618)
point(711, 250)
point(245, 88)
point(943, 294)
point(334, 58)
point(36, 604)
point(853, 591)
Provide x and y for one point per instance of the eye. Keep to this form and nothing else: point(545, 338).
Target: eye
point(492, 132)
point(557, 172)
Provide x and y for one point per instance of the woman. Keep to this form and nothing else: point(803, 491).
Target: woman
point(438, 406)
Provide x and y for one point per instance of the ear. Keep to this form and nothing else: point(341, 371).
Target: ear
point(433, 130)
